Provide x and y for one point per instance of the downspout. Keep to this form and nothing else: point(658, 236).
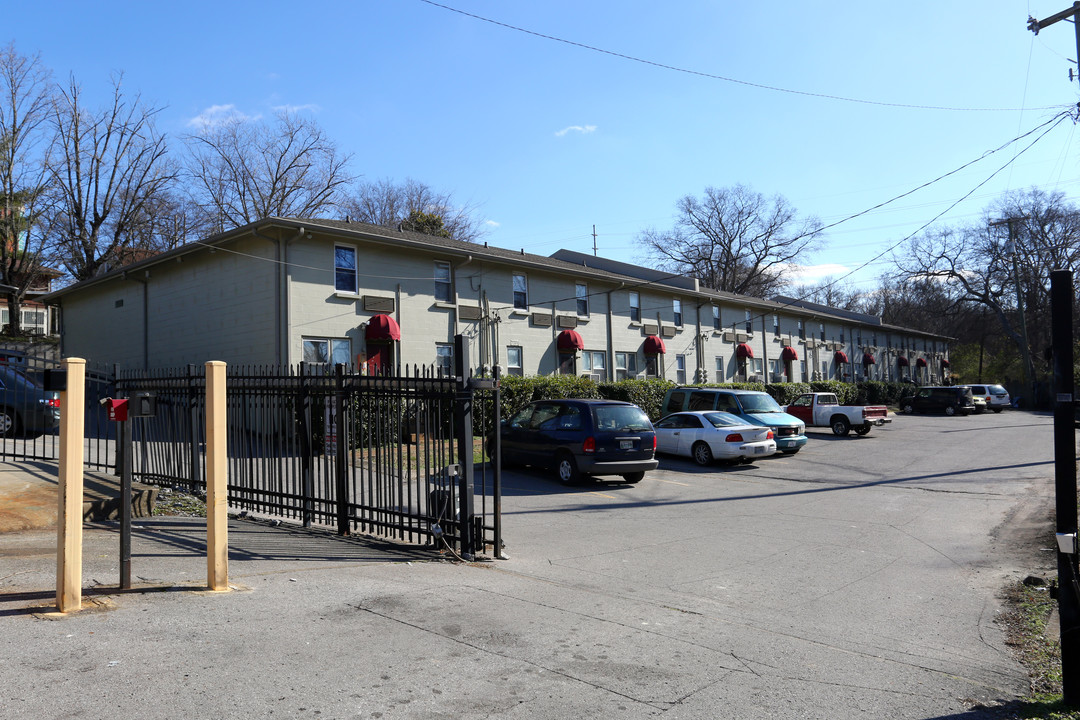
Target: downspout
point(281, 281)
point(698, 372)
point(397, 348)
point(610, 332)
point(764, 351)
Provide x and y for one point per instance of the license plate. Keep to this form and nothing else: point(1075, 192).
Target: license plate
point(626, 444)
point(759, 450)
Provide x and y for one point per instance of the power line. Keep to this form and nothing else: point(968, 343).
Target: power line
point(712, 76)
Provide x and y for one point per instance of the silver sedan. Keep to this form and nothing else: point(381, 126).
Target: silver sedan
point(710, 435)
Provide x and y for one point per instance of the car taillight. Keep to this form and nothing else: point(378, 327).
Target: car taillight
point(53, 402)
point(769, 435)
point(589, 446)
point(654, 443)
point(733, 437)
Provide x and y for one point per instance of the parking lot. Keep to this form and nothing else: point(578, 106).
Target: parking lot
point(858, 578)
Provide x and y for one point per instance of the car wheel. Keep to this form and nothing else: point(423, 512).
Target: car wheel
point(997, 410)
point(908, 409)
point(863, 429)
point(633, 477)
point(9, 423)
point(841, 427)
point(950, 411)
point(567, 467)
point(702, 453)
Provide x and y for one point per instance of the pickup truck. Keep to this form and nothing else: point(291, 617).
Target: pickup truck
point(824, 410)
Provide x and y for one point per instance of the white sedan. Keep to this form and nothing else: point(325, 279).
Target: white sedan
point(707, 436)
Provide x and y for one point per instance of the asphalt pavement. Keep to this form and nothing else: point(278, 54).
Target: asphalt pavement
point(856, 579)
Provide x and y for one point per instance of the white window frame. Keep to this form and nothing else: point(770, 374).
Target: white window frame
point(676, 309)
point(524, 293)
point(716, 317)
point(680, 369)
point(589, 364)
point(353, 270)
point(512, 368)
point(335, 350)
point(581, 292)
point(721, 369)
point(635, 306)
point(749, 322)
point(625, 365)
point(443, 282)
point(444, 358)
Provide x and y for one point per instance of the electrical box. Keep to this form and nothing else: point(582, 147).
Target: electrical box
point(116, 408)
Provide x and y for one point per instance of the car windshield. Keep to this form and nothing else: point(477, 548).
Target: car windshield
point(723, 419)
point(625, 418)
point(759, 404)
point(998, 390)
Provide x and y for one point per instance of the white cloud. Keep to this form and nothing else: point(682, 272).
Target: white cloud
point(310, 107)
point(492, 223)
point(217, 115)
point(583, 129)
point(810, 274)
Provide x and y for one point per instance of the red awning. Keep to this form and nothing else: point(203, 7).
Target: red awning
point(744, 351)
point(789, 354)
point(382, 327)
point(569, 341)
point(840, 357)
point(921, 362)
point(944, 363)
point(654, 346)
point(868, 359)
point(901, 361)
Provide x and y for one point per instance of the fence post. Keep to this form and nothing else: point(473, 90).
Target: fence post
point(307, 457)
point(341, 434)
point(217, 519)
point(463, 425)
point(69, 519)
point(122, 452)
point(193, 430)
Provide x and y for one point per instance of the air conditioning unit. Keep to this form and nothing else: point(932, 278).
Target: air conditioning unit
point(595, 377)
point(753, 378)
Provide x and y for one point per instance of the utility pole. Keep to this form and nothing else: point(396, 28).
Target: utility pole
point(1025, 349)
point(1036, 25)
point(594, 240)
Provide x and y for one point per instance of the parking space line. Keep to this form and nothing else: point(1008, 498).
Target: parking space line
point(673, 482)
point(603, 495)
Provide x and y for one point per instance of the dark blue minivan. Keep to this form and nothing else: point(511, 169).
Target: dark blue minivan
point(581, 438)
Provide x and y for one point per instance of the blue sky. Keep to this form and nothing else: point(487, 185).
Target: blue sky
point(550, 138)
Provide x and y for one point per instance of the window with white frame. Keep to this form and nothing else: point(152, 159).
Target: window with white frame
point(330, 351)
point(444, 358)
point(625, 365)
point(33, 320)
point(776, 324)
point(680, 369)
point(802, 371)
point(802, 331)
point(824, 369)
point(521, 291)
point(749, 322)
point(721, 371)
point(821, 331)
point(676, 306)
point(759, 366)
point(581, 292)
point(514, 358)
point(442, 282)
point(635, 307)
point(716, 317)
point(593, 362)
point(777, 369)
point(345, 268)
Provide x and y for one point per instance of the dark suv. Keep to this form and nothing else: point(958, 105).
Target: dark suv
point(581, 437)
point(951, 400)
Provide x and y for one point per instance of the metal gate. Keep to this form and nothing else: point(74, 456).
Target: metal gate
point(396, 456)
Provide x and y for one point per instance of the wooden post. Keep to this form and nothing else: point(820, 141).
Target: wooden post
point(217, 545)
point(69, 519)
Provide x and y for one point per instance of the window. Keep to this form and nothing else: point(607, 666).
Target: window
point(776, 324)
point(716, 317)
point(759, 366)
point(680, 369)
point(777, 369)
point(749, 322)
point(676, 306)
point(444, 358)
point(521, 292)
point(344, 269)
point(327, 351)
point(581, 291)
point(625, 365)
point(513, 360)
point(442, 282)
point(821, 331)
point(802, 331)
point(594, 362)
point(802, 371)
point(721, 373)
point(635, 307)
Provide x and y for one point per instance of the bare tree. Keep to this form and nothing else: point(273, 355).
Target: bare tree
point(832, 293)
point(242, 170)
point(25, 103)
point(108, 169)
point(733, 239)
point(393, 205)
